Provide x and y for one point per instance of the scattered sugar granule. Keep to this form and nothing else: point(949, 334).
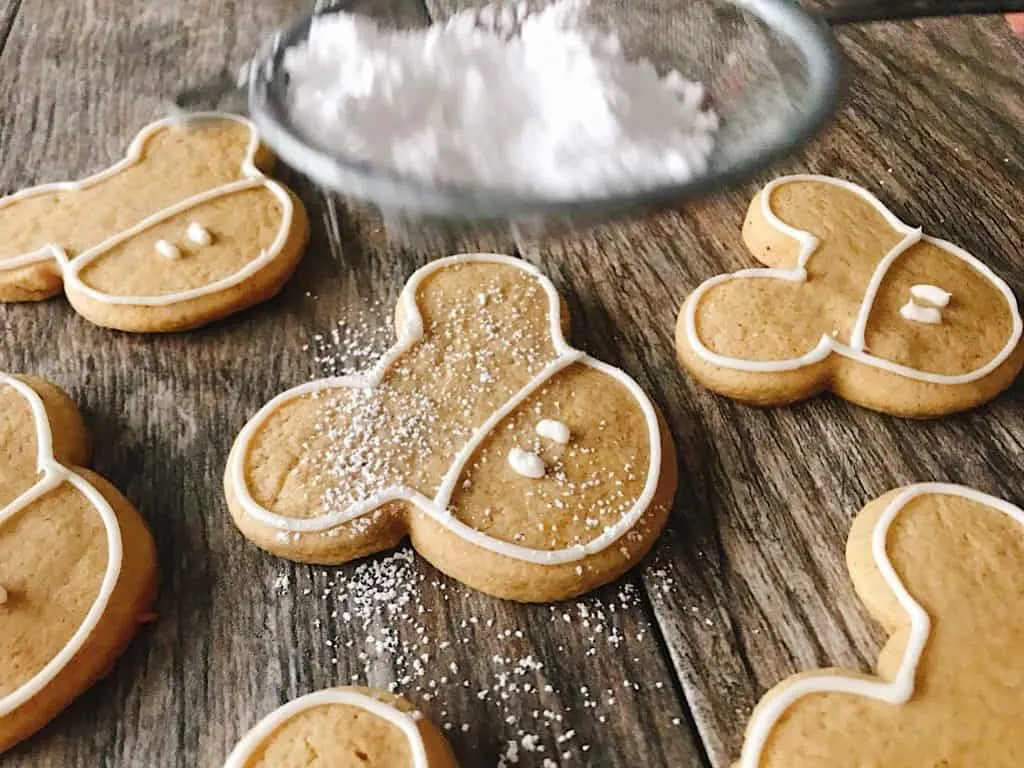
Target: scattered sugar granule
point(540, 102)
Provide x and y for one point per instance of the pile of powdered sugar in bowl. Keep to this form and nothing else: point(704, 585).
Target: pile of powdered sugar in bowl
point(529, 102)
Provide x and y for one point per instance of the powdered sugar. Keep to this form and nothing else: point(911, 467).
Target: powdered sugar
point(536, 102)
point(384, 618)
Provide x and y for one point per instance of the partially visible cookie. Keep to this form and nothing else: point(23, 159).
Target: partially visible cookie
point(516, 464)
point(853, 301)
point(344, 728)
point(77, 563)
point(942, 568)
point(186, 229)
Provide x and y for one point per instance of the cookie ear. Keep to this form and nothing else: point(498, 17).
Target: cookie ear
point(30, 254)
point(201, 139)
point(19, 440)
point(38, 422)
point(758, 318)
point(845, 229)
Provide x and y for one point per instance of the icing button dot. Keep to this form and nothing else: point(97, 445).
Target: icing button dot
point(167, 249)
point(3, 596)
point(527, 463)
point(919, 314)
point(931, 294)
point(553, 430)
point(198, 234)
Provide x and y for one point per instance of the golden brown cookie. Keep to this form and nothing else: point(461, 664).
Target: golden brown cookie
point(517, 464)
point(77, 563)
point(942, 568)
point(853, 301)
point(185, 230)
point(344, 728)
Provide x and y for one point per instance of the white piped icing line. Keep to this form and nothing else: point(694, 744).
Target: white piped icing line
point(931, 294)
point(52, 475)
point(167, 249)
point(829, 344)
point(437, 508)
point(526, 463)
point(901, 688)
point(406, 723)
point(554, 430)
point(70, 268)
point(919, 314)
point(198, 234)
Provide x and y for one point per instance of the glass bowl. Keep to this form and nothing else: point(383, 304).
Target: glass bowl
point(771, 70)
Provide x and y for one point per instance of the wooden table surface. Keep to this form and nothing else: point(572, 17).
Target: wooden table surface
point(747, 586)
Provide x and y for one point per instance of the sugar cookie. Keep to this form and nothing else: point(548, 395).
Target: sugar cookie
point(184, 230)
point(439, 441)
point(344, 728)
point(942, 568)
point(77, 563)
point(853, 301)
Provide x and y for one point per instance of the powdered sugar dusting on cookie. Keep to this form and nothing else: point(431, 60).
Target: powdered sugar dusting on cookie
point(479, 349)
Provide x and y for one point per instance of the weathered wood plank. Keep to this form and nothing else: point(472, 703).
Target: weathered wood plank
point(7, 16)
point(240, 632)
point(932, 124)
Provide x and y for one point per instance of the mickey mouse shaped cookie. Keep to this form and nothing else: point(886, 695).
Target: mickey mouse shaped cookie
point(77, 563)
point(516, 464)
point(184, 230)
point(854, 301)
point(942, 567)
point(344, 728)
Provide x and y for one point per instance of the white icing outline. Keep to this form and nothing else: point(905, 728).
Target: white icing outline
point(266, 727)
point(252, 177)
point(437, 508)
point(901, 688)
point(828, 344)
point(53, 475)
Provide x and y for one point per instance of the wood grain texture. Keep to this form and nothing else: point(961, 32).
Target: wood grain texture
point(240, 632)
point(748, 586)
point(855, 11)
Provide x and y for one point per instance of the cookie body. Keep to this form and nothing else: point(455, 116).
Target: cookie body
point(344, 728)
point(186, 229)
point(854, 301)
point(77, 563)
point(517, 464)
point(942, 568)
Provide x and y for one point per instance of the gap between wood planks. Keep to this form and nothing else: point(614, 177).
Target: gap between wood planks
point(7, 24)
